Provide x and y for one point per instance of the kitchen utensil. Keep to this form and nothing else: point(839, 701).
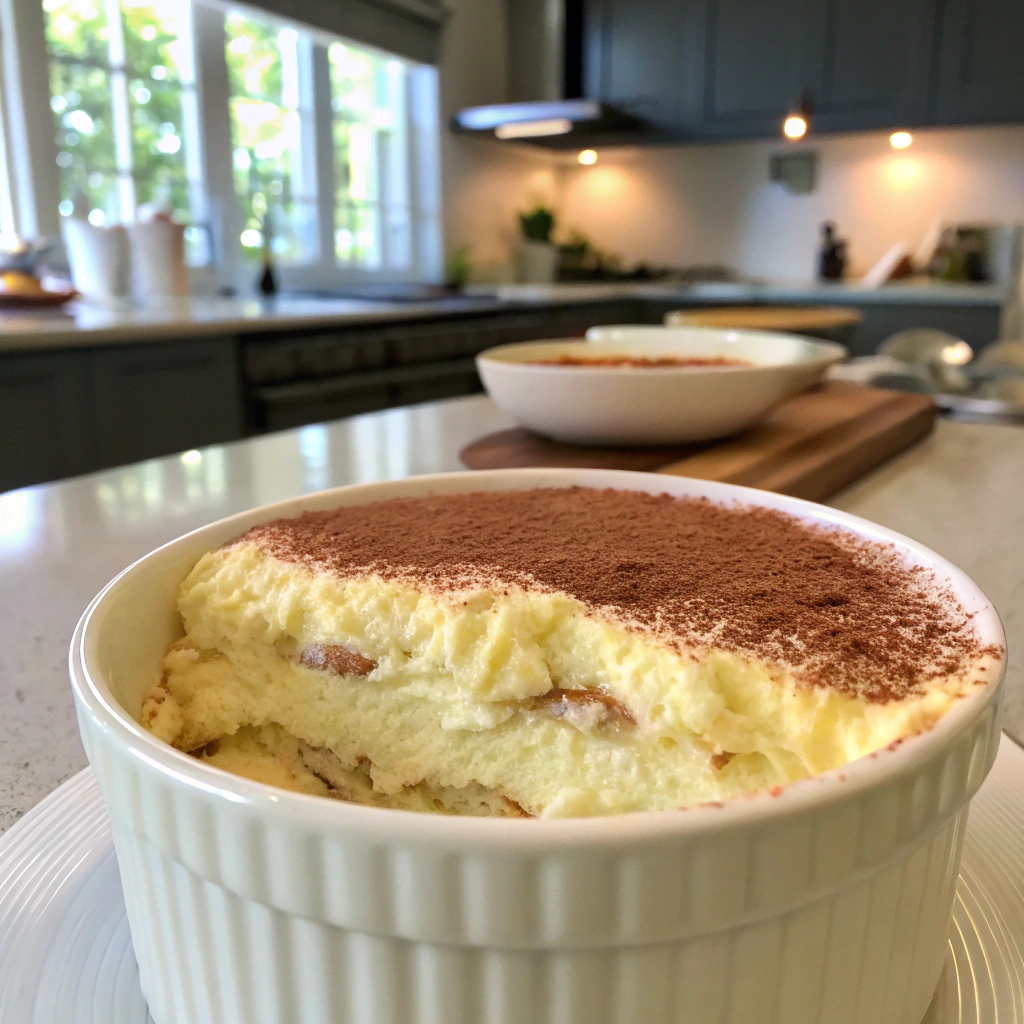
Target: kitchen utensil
point(934, 355)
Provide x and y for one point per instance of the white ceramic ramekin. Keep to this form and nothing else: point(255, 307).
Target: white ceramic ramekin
point(828, 902)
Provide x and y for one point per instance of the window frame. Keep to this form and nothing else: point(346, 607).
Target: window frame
point(423, 157)
point(35, 184)
point(119, 76)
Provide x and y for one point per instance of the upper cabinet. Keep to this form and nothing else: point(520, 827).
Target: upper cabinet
point(981, 62)
point(644, 58)
point(757, 59)
point(875, 64)
point(707, 69)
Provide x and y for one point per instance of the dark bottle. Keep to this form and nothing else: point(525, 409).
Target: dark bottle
point(831, 254)
point(267, 283)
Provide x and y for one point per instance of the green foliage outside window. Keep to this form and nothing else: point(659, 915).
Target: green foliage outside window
point(267, 125)
point(368, 102)
point(123, 102)
point(84, 78)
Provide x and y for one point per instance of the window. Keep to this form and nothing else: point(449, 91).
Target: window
point(271, 118)
point(123, 100)
point(7, 220)
point(373, 212)
point(320, 150)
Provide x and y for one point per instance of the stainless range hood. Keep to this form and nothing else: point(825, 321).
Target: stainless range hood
point(545, 85)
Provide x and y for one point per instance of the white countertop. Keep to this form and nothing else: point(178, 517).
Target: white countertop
point(918, 292)
point(960, 491)
point(80, 324)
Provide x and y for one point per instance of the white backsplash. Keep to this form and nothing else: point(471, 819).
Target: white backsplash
point(707, 204)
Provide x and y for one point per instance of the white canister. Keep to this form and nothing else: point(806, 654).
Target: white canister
point(98, 259)
point(158, 268)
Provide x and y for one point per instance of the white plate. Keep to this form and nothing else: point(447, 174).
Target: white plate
point(652, 405)
point(66, 956)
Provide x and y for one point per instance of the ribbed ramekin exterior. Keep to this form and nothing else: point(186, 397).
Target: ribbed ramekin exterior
point(836, 914)
point(829, 905)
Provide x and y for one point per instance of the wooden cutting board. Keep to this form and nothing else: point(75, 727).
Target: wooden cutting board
point(811, 447)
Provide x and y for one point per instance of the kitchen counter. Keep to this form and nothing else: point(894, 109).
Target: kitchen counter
point(757, 292)
point(80, 324)
point(960, 492)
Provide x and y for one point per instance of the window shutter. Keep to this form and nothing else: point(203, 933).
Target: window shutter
point(408, 28)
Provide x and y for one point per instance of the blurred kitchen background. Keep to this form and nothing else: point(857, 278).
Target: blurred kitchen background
point(218, 220)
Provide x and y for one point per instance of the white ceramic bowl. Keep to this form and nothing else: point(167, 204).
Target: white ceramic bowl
point(620, 405)
point(827, 901)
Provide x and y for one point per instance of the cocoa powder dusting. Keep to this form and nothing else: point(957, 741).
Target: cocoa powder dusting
point(644, 362)
point(840, 611)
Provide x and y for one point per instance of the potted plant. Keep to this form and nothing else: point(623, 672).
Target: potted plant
point(457, 269)
point(537, 255)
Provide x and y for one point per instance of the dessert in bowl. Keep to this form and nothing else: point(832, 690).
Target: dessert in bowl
point(509, 629)
point(652, 385)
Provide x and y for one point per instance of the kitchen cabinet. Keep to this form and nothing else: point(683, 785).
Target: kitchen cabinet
point(46, 417)
point(70, 412)
point(645, 58)
point(757, 57)
point(298, 378)
point(875, 64)
point(732, 69)
point(158, 398)
point(980, 70)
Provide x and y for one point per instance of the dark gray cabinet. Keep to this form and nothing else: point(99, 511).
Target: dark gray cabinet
point(980, 62)
point(645, 58)
point(45, 416)
point(731, 69)
point(159, 398)
point(875, 64)
point(293, 379)
point(68, 412)
point(757, 57)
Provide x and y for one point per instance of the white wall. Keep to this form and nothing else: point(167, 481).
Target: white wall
point(484, 183)
point(710, 204)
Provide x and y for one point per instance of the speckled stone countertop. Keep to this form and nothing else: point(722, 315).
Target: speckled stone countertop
point(961, 492)
point(79, 324)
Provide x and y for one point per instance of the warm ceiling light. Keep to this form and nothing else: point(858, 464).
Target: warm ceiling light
point(587, 156)
point(795, 126)
point(798, 120)
point(900, 140)
point(533, 129)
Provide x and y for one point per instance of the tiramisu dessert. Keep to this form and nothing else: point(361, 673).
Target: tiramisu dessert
point(646, 362)
point(555, 652)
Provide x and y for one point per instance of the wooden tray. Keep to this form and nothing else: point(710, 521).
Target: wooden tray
point(811, 447)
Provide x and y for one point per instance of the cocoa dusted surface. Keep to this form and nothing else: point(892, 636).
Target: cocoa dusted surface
point(842, 612)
